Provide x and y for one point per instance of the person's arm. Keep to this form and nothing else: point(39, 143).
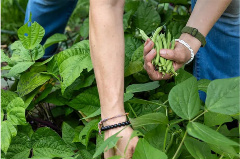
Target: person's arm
point(204, 16)
point(107, 53)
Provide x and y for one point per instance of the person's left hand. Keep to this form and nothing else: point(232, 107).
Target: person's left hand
point(180, 55)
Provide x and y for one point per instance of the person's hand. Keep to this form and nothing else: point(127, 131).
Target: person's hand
point(122, 143)
point(180, 55)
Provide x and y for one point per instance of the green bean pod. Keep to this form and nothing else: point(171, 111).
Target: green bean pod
point(157, 49)
point(168, 39)
point(157, 31)
point(173, 44)
point(144, 36)
point(169, 66)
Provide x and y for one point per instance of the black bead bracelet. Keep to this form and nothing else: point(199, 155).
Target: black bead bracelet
point(104, 128)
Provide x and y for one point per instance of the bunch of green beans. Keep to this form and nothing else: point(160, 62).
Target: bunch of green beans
point(161, 41)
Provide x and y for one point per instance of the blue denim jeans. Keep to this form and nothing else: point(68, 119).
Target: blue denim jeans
point(220, 56)
point(53, 15)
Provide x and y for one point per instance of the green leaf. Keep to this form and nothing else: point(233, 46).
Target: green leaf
point(133, 67)
point(7, 132)
point(77, 131)
point(37, 52)
point(131, 44)
point(208, 135)
point(213, 119)
point(182, 76)
point(31, 36)
point(19, 52)
point(54, 39)
point(44, 93)
point(84, 135)
point(197, 149)
point(203, 85)
point(29, 98)
point(126, 18)
point(52, 66)
point(16, 112)
point(223, 96)
point(84, 29)
point(86, 83)
point(5, 58)
point(184, 99)
point(86, 102)
point(29, 81)
point(148, 119)
point(84, 44)
point(138, 54)
point(2, 114)
point(6, 98)
point(156, 136)
point(227, 150)
point(44, 62)
point(142, 87)
point(142, 101)
point(94, 114)
point(70, 67)
point(19, 68)
point(146, 18)
point(21, 144)
point(47, 143)
point(68, 134)
point(127, 96)
point(54, 98)
point(144, 150)
point(107, 144)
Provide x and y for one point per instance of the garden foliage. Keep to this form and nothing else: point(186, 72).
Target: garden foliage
point(53, 107)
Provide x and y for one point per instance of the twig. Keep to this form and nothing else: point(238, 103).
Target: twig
point(179, 147)
point(165, 139)
point(199, 115)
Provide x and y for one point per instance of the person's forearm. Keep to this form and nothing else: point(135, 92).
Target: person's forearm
point(205, 14)
point(107, 53)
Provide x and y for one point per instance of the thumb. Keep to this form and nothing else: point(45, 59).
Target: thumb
point(168, 54)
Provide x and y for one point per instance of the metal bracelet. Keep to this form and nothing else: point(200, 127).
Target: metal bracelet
point(189, 48)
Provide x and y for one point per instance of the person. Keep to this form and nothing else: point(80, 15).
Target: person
point(107, 50)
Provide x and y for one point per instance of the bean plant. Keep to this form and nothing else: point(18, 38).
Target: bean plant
point(52, 109)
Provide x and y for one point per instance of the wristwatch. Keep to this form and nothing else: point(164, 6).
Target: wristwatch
point(195, 33)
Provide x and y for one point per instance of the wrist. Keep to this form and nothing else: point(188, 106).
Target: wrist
point(194, 43)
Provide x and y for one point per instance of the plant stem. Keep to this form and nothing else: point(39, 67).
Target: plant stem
point(219, 127)
point(132, 110)
point(221, 156)
point(165, 139)
point(161, 105)
point(170, 143)
point(176, 122)
point(179, 147)
point(199, 115)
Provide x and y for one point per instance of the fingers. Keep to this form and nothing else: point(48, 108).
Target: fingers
point(150, 56)
point(148, 47)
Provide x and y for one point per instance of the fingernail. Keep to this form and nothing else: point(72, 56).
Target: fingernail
point(152, 51)
point(163, 52)
point(150, 43)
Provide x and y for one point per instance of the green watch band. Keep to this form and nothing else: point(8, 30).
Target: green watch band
point(195, 33)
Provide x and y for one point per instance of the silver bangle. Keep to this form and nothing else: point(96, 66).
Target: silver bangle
point(189, 48)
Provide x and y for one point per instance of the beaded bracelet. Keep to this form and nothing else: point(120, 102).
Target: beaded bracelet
point(189, 48)
point(100, 124)
point(115, 125)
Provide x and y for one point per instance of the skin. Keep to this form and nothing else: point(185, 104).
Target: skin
point(203, 18)
point(107, 53)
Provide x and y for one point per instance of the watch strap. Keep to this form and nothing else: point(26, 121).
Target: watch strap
point(195, 33)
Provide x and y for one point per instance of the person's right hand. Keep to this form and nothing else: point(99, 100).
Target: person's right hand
point(122, 142)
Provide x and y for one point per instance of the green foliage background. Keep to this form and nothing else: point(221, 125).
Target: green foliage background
point(53, 108)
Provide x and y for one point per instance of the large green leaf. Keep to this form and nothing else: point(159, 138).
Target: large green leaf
point(87, 102)
point(133, 67)
point(213, 119)
point(6, 98)
point(146, 18)
point(7, 132)
point(47, 143)
point(208, 135)
point(19, 68)
point(198, 149)
point(228, 151)
point(29, 81)
point(21, 144)
point(2, 114)
point(203, 85)
point(55, 38)
point(31, 36)
point(126, 18)
point(156, 136)
point(138, 54)
point(84, 135)
point(37, 52)
point(5, 58)
point(144, 150)
point(94, 114)
point(127, 96)
point(131, 44)
point(182, 76)
point(142, 87)
point(68, 135)
point(84, 29)
point(148, 119)
point(223, 96)
point(71, 63)
point(52, 66)
point(184, 99)
point(19, 52)
point(16, 112)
